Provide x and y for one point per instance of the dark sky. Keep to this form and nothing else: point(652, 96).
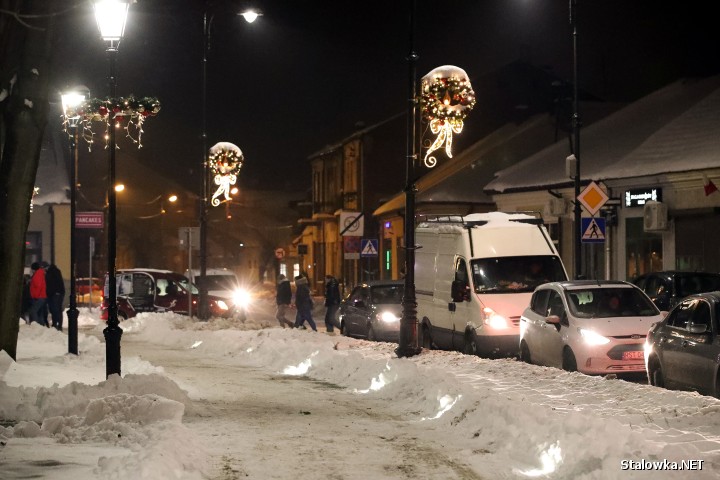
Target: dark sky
point(307, 71)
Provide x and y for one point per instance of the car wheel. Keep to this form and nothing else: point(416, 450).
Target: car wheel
point(655, 374)
point(371, 334)
point(525, 352)
point(470, 347)
point(426, 338)
point(569, 363)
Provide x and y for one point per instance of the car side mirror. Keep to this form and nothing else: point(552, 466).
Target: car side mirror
point(553, 319)
point(459, 291)
point(692, 328)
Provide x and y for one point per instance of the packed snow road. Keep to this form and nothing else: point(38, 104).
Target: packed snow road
point(261, 425)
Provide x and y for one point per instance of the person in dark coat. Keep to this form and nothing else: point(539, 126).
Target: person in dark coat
point(283, 299)
point(38, 294)
point(303, 303)
point(332, 300)
point(55, 289)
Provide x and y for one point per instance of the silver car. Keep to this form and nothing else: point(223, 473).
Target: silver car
point(372, 310)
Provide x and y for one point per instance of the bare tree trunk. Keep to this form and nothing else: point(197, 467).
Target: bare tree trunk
point(25, 64)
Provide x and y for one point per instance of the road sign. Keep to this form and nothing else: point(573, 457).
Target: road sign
point(592, 198)
point(350, 225)
point(368, 247)
point(89, 220)
point(593, 230)
point(351, 247)
point(189, 237)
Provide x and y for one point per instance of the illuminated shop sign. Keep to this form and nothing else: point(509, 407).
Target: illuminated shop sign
point(639, 196)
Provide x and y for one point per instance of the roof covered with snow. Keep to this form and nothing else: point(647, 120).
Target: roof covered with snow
point(671, 130)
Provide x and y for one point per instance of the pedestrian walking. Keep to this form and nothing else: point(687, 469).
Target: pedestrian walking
point(55, 289)
point(38, 294)
point(283, 299)
point(303, 303)
point(332, 300)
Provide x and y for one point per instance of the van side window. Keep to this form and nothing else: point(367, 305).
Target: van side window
point(538, 304)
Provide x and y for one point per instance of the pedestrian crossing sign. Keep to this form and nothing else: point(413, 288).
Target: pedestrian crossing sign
point(369, 247)
point(593, 230)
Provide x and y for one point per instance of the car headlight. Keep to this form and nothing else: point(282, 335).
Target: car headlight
point(593, 338)
point(493, 320)
point(388, 317)
point(222, 304)
point(241, 298)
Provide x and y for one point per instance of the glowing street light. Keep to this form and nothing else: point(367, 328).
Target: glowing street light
point(70, 101)
point(111, 16)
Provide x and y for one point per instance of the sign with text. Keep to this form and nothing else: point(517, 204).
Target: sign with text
point(639, 196)
point(89, 220)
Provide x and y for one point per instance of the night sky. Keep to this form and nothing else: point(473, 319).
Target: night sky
point(307, 71)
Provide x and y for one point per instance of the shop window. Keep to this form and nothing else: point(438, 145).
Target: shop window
point(643, 249)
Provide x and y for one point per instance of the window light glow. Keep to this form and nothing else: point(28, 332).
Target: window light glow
point(380, 381)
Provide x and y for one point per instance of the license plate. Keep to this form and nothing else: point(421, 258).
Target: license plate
point(633, 355)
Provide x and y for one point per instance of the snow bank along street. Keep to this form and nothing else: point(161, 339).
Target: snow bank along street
point(227, 400)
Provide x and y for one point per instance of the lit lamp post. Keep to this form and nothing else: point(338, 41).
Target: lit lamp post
point(250, 16)
point(111, 16)
point(70, 101)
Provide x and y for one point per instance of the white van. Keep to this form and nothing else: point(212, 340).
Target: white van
point(474, 276)
point(223, 283)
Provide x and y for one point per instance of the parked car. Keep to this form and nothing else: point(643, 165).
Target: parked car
point(590, 326)
point(150, 290)
point(372, 310)
point(682, 350)
point(668, 288)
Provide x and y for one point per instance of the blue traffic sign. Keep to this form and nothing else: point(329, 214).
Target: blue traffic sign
point(593, 230)
point(369, 247)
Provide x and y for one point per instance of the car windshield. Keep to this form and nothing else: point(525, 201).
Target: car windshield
point(186, 285)
point(609, 302)
point(382, 294)
point(218, 282)
point(515, 274)
point(697, 283)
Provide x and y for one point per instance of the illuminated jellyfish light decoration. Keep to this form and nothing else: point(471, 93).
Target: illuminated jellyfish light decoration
point(225, 161)
point(447, 98)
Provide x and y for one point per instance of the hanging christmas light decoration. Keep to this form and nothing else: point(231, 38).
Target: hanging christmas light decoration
point(225, 161)
point(447, 98)
point(115, 111)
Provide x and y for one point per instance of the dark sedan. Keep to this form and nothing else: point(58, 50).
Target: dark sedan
point(372, 311)
point(666, 289)
point(681, 351)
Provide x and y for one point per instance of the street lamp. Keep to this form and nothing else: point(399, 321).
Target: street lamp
point(111, 16)
point(575, 157)
point(408, 342)
point(250, 16)
point(70, 101)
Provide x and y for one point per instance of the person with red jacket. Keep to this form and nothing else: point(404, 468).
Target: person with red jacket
point(38, 295)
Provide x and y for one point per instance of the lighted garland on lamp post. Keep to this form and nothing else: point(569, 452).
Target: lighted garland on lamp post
point(447, 97)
